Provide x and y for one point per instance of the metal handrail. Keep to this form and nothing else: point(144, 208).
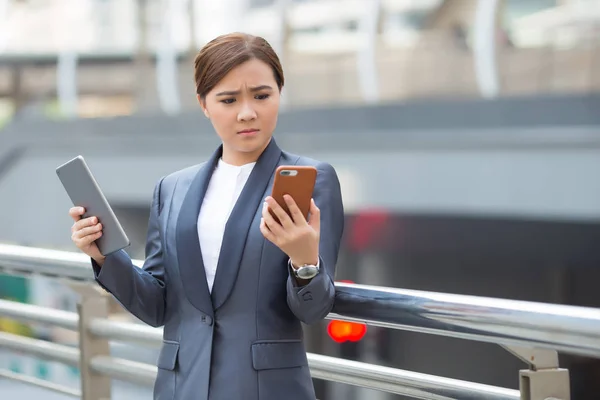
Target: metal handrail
point(412, 384)
point(391, 380)
point(32, 314)
point(569, 329)
point(40, 348)
point(40, 383)
point(126, 332)
point(60, 264)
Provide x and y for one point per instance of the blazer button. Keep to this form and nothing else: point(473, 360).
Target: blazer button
point(207, 320)
point(307, 296)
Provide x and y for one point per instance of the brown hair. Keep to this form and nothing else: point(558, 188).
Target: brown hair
point(225, 52)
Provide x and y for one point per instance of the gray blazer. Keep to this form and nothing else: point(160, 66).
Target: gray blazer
point(244, 340)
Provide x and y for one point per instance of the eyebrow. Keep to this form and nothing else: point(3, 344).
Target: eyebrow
point(235, 92)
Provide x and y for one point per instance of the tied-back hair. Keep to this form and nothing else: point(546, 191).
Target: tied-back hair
point(225, 52)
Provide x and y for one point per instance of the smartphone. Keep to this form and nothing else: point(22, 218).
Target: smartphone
point(84, 191)
point(297, 181)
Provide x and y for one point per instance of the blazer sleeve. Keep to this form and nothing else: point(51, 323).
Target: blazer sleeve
point(313, 301)
point(140, 290)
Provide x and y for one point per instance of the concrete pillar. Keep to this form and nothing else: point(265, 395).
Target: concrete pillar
point(484, 47)
point(145, 88)
point(166, 59)
point(368, 76)
point(18, 95)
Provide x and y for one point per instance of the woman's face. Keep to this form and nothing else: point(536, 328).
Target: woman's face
point(243, 109)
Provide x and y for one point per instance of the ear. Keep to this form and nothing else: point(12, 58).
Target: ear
point(202, 103)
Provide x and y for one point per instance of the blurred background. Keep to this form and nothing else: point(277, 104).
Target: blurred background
point(466, 135)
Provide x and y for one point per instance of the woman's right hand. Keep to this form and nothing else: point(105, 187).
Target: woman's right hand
point(85, 232)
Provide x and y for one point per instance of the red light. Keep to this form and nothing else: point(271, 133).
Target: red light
point(369, 229)
point(342, 331)
point(358, 331)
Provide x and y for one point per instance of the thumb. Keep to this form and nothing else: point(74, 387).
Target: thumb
point(315, 216)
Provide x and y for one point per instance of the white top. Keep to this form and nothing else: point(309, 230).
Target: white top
point(224, 188)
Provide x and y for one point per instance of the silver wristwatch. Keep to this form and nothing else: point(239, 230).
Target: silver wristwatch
point(305, 271)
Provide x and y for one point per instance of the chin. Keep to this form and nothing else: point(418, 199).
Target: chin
point(250, 145)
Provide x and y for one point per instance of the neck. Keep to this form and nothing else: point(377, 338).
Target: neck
point(238, 158)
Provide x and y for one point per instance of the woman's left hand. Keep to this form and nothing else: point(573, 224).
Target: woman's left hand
point(295, 236)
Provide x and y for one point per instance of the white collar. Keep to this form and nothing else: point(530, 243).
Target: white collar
point(235, 168)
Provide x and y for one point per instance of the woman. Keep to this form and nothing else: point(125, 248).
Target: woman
point(220, 272)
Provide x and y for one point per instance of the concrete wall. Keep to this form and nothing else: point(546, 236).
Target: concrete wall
point(524, 183)
point(522, 159)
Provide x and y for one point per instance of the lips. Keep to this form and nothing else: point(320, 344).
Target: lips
point(248, 131)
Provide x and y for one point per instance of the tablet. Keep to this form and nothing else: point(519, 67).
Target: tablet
point(84, 191)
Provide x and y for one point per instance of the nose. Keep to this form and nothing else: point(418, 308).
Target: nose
point(246, 113)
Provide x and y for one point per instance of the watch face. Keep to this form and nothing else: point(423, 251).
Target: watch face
point(307, 272)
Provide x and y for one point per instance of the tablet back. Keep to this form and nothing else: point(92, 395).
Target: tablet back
point(84, 191)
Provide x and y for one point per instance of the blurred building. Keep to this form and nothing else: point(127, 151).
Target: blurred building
point(108, 57)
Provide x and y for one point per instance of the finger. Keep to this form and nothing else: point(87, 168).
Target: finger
point(315, 216)
point(84, 223)
point(284, 218)
point(89, 239)
point(76, 213)
point(90, 230)
point(266, 232)
point(297, 216)
point(274, 226)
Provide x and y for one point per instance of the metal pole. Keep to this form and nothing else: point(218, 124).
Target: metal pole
point(142, 61)
point(66, 74)
point(484, 48)
point(18, 94)
point(166, 61)
point(16, 75)
point(280, 41)
point(193, 49)
point(4, 4)
point(93, 305)
point(66, 83)
point(368, 77)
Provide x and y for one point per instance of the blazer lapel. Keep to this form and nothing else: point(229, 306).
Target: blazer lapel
point(239, 222)
point(191, 265)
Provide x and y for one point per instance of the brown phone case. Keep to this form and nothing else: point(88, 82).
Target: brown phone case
point(297, 181)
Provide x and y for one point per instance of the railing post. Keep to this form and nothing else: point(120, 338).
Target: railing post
point(544, 380)
point(92, 305)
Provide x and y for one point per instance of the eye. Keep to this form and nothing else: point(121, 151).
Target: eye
point(227, 101)
point(261, 96)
